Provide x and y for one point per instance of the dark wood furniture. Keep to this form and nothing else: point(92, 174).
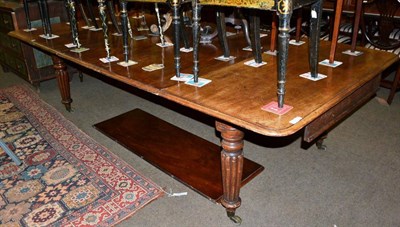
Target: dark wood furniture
point(237, 92)
point(383, 13)
point(284, 10)
point(377, 20)
point(32, 65)
point(193, 161)
point(386, 12)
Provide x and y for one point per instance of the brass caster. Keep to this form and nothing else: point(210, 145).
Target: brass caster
point(80, 76)
point(236, 219)
point(322, 147)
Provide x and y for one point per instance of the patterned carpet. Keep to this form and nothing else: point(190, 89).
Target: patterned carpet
point(66, 178)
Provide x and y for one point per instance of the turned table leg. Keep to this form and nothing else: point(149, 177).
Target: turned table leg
point(232, 168)
point(63, 81)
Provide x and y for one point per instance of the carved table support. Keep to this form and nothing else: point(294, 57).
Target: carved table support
point(232, 167)
point(63, 81)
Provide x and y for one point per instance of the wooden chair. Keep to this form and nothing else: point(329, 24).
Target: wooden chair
point(393, 85)
point(177, 25)
point(89, 9)
point(378, 29)
point(378, 34)
point(44, 15)
point(284, 9)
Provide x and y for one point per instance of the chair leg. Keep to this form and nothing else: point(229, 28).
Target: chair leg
point(315, 28)
point(274, 32)
point(185, 37)
point(46, 17)
point(335, 32)
point(42, 17)
point(299, 20)
point(91, 14)
point(113, 17)
point(222, 33)
point(10, 153)
point(27, 16)
point(284, 14)
point(196, 38)
point(255, 36)
point(395, 86)
point(176, 21)
point(83, 13)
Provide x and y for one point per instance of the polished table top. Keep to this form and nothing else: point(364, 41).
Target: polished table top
point(237, 92)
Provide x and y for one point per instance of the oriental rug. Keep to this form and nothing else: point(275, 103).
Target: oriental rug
point(66, 178)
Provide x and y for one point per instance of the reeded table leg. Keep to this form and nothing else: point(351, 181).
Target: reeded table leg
point(232, 168)
point(63, 81)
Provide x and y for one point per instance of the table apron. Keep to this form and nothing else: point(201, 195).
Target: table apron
point(341, 110)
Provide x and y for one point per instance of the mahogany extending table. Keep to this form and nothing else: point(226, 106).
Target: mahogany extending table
point(237, 93)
